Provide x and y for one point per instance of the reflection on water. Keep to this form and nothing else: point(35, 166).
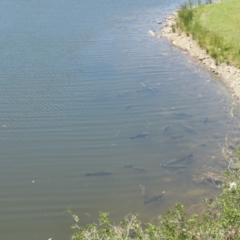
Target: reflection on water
point(98, 115)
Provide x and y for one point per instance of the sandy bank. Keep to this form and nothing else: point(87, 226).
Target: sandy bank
point(229, 74)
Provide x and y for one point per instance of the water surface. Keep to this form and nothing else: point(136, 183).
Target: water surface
point(79, 79)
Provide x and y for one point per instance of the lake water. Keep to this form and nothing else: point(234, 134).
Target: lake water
point(79, 79)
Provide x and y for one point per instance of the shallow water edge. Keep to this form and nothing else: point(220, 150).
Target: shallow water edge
point(230, 75)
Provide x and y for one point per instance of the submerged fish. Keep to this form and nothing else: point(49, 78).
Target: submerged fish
point(202, 145)
point(189, 129)
point(182, 114)
point(135, 168)
point(183, 171)
point(166, 128)
point(140, 135)
point(173, 166)
point(205, 120)
point(154, 198)
point(128, 107)
point(179, 159)
point(102, 173)
point(175, 137)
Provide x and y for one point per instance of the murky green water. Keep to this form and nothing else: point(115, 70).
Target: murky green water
point(79, 79)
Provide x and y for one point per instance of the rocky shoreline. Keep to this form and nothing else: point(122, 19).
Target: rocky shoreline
point(229, 74)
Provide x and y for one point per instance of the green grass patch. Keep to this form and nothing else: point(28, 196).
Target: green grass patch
point(216, 27)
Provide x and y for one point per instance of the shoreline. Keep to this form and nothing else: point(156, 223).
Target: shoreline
point(230, 75)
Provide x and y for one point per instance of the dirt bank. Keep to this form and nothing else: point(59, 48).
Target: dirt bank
point(229, 74)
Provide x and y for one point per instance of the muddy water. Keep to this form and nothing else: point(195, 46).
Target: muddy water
point(85, 89)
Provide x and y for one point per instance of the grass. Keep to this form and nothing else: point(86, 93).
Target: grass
point(215, 27)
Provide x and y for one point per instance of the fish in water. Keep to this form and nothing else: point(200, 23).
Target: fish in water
point(202, 145)
point(205, 120)
point(189, 129)
point(135, 168)
point(128, 107)
point(179, 159)
point(166, 128)
point(175, 137)
point(174, 166)
point(154, 198)
point(182, 114)
point(102, 173)
point(140, 135)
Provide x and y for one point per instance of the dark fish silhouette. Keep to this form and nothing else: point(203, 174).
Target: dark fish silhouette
point(135, 168)
point(102, 173)
point(175, 137)
point(128, 107)
point(179, 159)
point(205, 120)
point(154, 198)
point(166, 128)
point(140, 135)
point(182, 114)
point(173, 166)
point(189, 129)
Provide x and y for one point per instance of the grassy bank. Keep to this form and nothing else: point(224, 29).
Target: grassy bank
point(215, 26)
